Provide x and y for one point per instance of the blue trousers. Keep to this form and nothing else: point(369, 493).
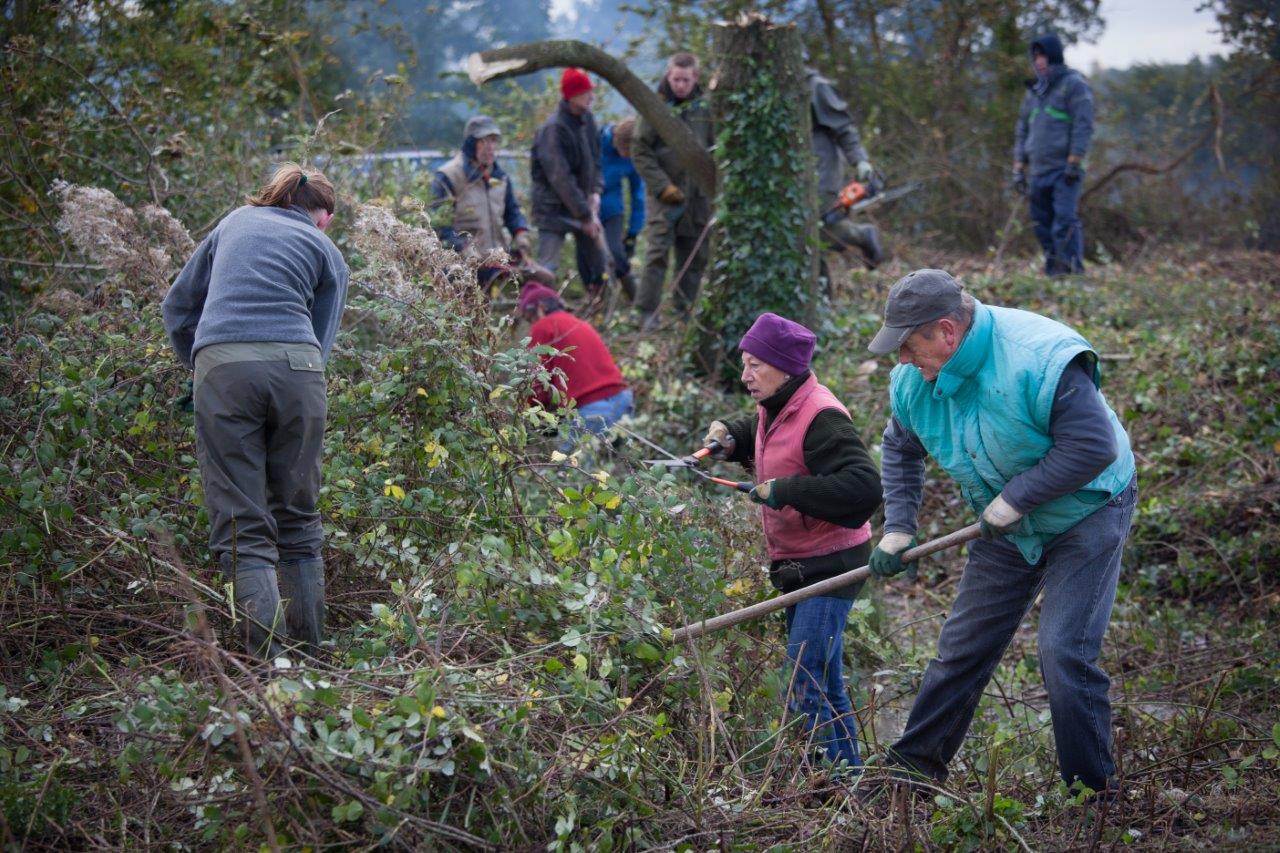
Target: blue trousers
point(1054, 204)
point(1078, 574)
point(815, 645)
point(597, 417)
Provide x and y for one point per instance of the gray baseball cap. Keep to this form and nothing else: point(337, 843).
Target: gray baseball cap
point(478, 127)
point(919, 297)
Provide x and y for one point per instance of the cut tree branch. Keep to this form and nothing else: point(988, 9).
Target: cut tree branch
point(519, 59)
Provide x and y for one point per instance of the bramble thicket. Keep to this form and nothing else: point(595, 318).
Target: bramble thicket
point(501, 673)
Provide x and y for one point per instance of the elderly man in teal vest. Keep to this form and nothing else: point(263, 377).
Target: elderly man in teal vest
point(1007, 402)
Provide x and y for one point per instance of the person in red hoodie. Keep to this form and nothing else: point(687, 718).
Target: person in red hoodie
point(584, 371)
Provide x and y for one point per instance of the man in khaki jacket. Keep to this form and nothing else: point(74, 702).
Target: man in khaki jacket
point(678, 212)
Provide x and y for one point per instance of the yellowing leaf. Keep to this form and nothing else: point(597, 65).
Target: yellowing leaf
point(422, 392)
point(557, 456)
point(439, 713)
point(738, 587)
point(601, 477)
point(393, 491)
point(613, 502)
point(496, 392)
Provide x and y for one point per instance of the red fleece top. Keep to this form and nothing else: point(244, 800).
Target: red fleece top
point(588, 368)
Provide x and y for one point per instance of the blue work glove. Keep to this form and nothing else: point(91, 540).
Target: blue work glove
point(999, 518)
point(886, 559)
point(1073, 173)
point(766, 494)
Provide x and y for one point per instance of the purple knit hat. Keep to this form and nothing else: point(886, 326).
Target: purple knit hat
point(783, 343)
point(533, 293)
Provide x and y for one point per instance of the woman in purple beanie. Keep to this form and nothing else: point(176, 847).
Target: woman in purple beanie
point(818, 488)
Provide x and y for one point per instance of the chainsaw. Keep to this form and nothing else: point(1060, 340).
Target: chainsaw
point(858, 195)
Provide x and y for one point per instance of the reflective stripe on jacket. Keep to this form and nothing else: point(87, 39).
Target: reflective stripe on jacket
point(985, 419)
point(788, 534)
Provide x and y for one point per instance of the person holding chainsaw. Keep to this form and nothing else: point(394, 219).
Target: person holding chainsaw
point(1050, 142)
point(818, 488)
point(476, 190)
point(834, 136)
point(584, 373)
point(679, 212)
point(567, 181)
point(1007, 402)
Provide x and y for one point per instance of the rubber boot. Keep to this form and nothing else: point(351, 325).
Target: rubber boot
point(302, 587)
point(868, 240)
point(258, 608)
point(628, 284)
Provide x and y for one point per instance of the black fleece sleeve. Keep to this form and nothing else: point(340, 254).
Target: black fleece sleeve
point(743, 431)
point(844, 485)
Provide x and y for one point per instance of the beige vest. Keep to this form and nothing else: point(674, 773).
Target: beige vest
point(477, 210)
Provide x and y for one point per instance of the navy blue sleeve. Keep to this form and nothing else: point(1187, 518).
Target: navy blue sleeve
point(902, 476)
point(1084, 443)
point(1080, 108)
point(512, 216)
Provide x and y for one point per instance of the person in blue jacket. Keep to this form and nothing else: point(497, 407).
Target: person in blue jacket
point(615, 151)
point(1050, 142)
point(1007, 402)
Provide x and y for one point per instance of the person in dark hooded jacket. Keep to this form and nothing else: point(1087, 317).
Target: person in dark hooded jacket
point(1051, 140)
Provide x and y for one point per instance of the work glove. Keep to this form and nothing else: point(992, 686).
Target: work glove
point(765, 493)
point(671, 194)
point(186, 403)
point(886, 559)
point(1073, 173)
point(719, 431)
point(864, 170)
point(1019, 181)
point(999, 518)
point(629, 245)
point(522, 242)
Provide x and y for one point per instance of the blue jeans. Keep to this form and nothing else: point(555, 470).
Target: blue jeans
point(815, 645)
point(1078, 574)
point(1057, 222)
point(598, 416)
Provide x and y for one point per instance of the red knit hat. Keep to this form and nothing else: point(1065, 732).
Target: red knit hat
point(574, 81)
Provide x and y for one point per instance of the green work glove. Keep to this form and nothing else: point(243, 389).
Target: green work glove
point(765, 493)
point(186, 403)
point(886, 559)
point(999, 518)
point(865, 170)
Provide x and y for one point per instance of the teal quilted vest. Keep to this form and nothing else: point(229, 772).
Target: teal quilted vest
point(985, 419)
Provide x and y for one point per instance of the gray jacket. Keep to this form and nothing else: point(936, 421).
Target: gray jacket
point(1055, 121)
point(834, 134)
point(265, 274)
point(565, 169)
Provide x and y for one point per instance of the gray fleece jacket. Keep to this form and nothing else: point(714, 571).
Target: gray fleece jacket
point(265, 274)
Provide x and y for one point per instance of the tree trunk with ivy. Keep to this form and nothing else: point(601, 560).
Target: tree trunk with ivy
point(766, 257)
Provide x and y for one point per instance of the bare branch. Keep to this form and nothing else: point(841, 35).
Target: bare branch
point(519, 59)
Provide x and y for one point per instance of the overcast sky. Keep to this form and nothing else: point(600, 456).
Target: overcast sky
point(1149, 31)
point(1136, 31)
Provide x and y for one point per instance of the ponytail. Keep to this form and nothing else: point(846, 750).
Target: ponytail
point(292, 185)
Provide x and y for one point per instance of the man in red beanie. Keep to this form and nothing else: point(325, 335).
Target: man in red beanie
point(818, 488)
point(567, 181)
point(584, 371)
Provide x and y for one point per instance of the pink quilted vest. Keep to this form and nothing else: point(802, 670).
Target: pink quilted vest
point(780, 453)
